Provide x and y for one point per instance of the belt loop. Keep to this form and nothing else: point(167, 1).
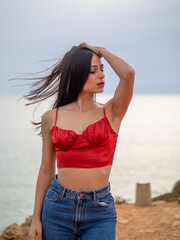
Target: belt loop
point(94, 195)
point(63, 193)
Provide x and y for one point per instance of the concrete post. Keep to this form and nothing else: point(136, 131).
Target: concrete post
point(143, 195)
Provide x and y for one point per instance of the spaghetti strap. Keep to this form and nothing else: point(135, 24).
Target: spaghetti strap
point(56, 116)
point(104, 110)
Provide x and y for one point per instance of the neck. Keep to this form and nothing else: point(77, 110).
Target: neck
point(85, 102)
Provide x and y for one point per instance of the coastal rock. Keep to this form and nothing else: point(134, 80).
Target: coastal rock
point(176, 188)
point(16, 232)
point(12, 232)
point(170, 196)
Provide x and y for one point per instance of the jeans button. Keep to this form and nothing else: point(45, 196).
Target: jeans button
point(81, 194)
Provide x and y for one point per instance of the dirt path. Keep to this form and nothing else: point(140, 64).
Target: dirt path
point(159, 222)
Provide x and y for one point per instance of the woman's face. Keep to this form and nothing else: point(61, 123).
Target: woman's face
point(95, 81)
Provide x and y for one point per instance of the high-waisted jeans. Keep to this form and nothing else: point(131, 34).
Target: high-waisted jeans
point(82, 215)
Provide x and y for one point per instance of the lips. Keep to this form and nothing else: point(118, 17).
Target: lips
point(101, 84)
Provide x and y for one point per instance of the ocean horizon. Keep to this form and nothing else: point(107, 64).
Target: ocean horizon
point(148, 151)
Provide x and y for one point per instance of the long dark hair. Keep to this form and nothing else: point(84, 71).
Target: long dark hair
point(65, 81)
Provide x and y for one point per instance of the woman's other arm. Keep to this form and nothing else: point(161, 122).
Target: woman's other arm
point(45, 176)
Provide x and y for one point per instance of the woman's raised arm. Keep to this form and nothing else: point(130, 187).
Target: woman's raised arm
point(118, 105)
point(123, 93)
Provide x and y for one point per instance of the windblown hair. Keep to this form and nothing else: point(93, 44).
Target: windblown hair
point(66, 80)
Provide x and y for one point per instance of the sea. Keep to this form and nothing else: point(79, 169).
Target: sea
point(148, 151)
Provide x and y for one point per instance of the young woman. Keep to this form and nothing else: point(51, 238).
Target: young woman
point(81, 135)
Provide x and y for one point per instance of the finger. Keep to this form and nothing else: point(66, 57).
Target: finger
point(39, 236)
point(31, 237)
point(83, 44)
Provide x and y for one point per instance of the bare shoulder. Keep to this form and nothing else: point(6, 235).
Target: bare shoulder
point(48, 118)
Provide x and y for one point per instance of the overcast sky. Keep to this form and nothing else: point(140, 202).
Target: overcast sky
point(146, 33)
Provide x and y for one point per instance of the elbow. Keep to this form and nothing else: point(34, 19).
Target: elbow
point(130, 74)
point(132, 71)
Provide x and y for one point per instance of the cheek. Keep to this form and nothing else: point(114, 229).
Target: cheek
point(91, 81)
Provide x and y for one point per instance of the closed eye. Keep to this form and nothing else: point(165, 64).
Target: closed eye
point(92, 72)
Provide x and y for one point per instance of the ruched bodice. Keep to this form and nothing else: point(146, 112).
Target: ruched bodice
point(93, 148)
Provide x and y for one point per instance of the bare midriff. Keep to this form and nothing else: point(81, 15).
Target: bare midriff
point(84, 179)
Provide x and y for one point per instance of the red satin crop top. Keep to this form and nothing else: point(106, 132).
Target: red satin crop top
point(95, 147)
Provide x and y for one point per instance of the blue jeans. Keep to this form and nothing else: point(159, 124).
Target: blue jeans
point(82, 215)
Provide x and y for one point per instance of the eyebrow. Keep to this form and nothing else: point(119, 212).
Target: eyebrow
point(96, 65)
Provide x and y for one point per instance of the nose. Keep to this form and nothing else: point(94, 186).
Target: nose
point(101, 75)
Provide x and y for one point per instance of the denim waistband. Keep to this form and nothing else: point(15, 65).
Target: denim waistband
point(94, 194)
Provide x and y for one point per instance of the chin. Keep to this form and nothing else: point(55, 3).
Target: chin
point(100, 91)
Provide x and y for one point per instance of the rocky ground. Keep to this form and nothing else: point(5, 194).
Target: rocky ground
point(159, 222)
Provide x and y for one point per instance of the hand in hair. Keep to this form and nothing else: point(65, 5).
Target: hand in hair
point(95, 49)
